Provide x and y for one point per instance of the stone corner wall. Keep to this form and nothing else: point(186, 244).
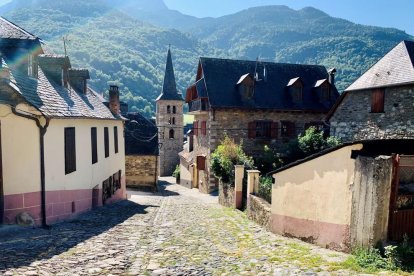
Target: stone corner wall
point(226, 195)
point(259, 210)
point(141, 171)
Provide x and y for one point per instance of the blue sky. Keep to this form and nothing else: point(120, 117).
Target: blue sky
point(385, 13)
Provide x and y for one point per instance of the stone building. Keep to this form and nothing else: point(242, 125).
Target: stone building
point(170, 122)
point(379, 105)
point(257, 103)
point(62, 149)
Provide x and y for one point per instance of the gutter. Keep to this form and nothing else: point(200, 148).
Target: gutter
point(42, 132)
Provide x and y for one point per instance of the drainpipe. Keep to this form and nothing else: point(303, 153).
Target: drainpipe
point(42, 132)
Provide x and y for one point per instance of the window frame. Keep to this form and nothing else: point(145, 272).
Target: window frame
point(106, 141)
point(116, 142)
point(94, 144)
point(70, 149)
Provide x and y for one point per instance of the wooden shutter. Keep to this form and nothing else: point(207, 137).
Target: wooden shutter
point(204, 128)
point(116, 139)
point(201, 163)
point(274, 130)
point(70, 150)
point(195, 128)
point(377, 100)
point(106, 141)
point(291, 129)
point(252, 130)
point(94, 144)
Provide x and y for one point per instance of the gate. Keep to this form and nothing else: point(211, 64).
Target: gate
point(401, 221)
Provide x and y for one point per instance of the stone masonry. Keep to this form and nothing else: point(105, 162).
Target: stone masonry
point(141, 171)
point(353, 119)
point(234, 123)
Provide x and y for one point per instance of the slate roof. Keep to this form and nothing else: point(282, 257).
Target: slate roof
point(169, 89)
point(54, 100)
point(140, 135)
point(9, 30)
point(270, 92)
point(395, 68)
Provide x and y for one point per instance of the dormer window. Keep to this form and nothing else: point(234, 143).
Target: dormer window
point(246, 87)
point(323, 89)
point(296, 90)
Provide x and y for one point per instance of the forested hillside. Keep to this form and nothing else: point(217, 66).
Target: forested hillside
point(116, 43)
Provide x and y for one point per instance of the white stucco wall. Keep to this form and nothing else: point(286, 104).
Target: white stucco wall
point(20, 153)
point(87, 175)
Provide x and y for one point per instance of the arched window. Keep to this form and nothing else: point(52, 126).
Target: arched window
point(171, 133)
point(174, 109)
point(173, 120)
point(168, 109)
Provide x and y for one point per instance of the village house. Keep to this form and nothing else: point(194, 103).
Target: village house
point(256, 103)
point(62, 149)
point(379, 104)
point(324, 198)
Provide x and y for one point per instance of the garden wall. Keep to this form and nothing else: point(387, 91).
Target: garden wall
point(226, 195)
point(260, 211)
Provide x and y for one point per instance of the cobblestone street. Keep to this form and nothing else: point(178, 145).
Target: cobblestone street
point(175, 232)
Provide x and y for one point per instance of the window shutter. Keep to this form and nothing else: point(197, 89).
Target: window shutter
point(201, 163)
point(195, 127)
point(377, 103)
point(70, 150)
point(106, 140)
point(274, 130)
point(116, 139)
point(204, 128)
point(252, 130)
point(291, 129)
point(94, 144)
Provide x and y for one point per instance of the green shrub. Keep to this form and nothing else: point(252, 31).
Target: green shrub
point(176, 172)
point(223, 159)
point(269, 160)
point(313, 141)
point(265, 188)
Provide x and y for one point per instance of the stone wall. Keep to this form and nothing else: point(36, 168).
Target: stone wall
point(234, 123)
point(353, 119)
point(259, 210)
point(226, 195)
point(141, 171)
point(371, 191)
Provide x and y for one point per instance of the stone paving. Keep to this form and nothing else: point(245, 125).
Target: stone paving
point(174, 232)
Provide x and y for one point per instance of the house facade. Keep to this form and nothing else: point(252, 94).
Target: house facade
point(62, 150)
point(170, 122)
point(379, 104)
point(256, 103)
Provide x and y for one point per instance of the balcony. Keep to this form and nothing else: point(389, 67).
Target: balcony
point(198, 106)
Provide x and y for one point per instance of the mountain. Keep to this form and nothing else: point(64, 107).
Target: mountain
point(126, 40)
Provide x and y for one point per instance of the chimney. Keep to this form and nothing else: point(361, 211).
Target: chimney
point(114, 104)
point(78, 80)
point(332, 73)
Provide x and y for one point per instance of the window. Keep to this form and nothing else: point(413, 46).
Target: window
point(263, 129)
point(377, 100)
point(116, 139)
point(171, 134)
point(296, 92)
point(201, 163)
point(173, 120)
point(325, 93)
point(204, 128)
point(106, 141)
point(174, 109)
point(94, 144)
point(70, 150)
point(288, 129)
point(168, 109)
point(195, 127)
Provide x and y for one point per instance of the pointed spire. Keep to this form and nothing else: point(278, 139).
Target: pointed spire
point(169, 88)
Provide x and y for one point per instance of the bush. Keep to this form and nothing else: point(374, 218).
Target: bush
point(176, 172)
point(223, 159)
point(313, 141)
point(265, 188)
point(269, 160)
